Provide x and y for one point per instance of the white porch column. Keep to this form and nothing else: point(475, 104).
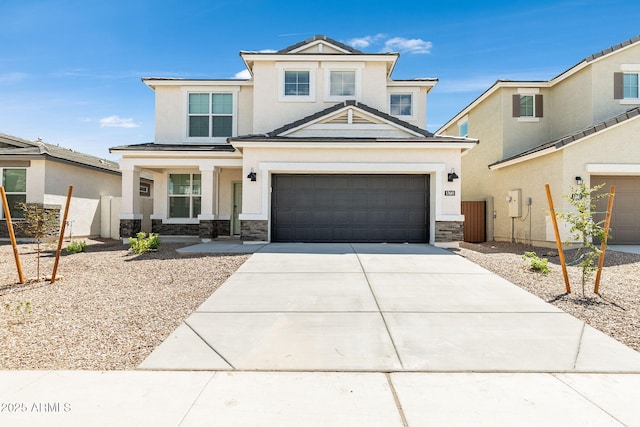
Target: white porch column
point(130, 207)
point(209, 197)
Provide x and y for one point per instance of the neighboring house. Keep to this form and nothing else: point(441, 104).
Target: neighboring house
point(319, 145)
point(583, 124)
point(37, 172)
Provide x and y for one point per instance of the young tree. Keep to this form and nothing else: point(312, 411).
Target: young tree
point(39, 223)
point(584, 227)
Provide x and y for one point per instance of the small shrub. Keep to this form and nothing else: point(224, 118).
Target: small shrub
point(537, 263)
point(75, 247)
point(20, 313)
point(142, 244)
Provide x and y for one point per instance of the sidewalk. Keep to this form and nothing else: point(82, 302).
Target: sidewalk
point(353, 335)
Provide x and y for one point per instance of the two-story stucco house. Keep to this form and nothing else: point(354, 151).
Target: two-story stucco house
point(583, 125)
point(319, 145)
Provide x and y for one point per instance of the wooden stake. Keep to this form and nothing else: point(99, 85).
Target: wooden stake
point(12, 236)
point(603, 244)
point(62, 227)
point(558, 240)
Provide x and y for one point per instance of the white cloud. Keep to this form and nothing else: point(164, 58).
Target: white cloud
point(244, 74)
point(364, 42)
point(118, 122)
point(400, 44)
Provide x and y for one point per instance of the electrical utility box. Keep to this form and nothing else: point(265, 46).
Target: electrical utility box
point(514, 200)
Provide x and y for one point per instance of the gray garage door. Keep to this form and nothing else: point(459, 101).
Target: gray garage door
point(625, 218)
point(350, 208)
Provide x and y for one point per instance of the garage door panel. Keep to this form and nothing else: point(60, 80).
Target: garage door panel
point(350, 208)
point(625, 218)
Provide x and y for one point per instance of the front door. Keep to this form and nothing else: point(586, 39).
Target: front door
point(237, 208)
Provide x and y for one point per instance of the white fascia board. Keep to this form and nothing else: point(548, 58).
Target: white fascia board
point(412, 83)
point(128, 163)
point(254, 57)
point(613, 169)
point(347, 167)
point(524, 158)
point(175, 154)
point(369, 145)
point(152, 83)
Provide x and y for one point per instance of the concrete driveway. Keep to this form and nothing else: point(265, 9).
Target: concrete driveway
point(381, 308)
point(352, 335)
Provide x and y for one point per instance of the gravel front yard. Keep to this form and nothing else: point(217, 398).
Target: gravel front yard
point(111, 308)
point(614, 311)
point(109, 311)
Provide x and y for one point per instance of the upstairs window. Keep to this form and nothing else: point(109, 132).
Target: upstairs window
point(527, 106)
point(184, 195)
point(342, 83)
point(296, 83)
point(14, 182)
point(463, 129)
point(400, 105)
point(625, 87)
point(210, 115)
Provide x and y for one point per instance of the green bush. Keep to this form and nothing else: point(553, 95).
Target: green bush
point(75, 247)
point(537, 263)
point(142, 244)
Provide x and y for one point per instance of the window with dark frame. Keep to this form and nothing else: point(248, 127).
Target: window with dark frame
point(14, 182)
point(184, 195)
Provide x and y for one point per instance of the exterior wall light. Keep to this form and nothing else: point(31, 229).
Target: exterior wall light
point(579, 180)
point(252, 175)
point(452, 175)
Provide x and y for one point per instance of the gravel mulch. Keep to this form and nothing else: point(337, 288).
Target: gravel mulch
point(109, 311)
point(615, 310)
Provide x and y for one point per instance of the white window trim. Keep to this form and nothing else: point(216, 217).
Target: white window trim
point(233, 90)
point(630, 69)
point(462, 121)
point(529, 91)
point(311, 67)
point(181, 220)
point(404, 91)
point(339, 66)
point(9, 193)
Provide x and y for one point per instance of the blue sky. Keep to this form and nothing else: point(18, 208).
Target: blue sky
point(70, 69)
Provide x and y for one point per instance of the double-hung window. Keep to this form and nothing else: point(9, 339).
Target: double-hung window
point(342, 83)
point(296, 83)
point(14, 182)
point(626, 84)
point(527, 106)
point(630, 85)
point(184, 195)
point(400, 105)
point(210, 115)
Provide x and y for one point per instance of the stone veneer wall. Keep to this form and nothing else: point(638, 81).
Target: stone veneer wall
point(254, 230)
point(17, 230)
point(130, 227)
point(223, 227)
point(449, 231)
point(174, 229)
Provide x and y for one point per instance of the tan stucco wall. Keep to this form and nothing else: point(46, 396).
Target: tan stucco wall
point(605, 106)
point(571, 104)
point(88, 186)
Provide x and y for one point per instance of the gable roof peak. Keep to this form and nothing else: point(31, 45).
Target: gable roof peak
point(319, 38)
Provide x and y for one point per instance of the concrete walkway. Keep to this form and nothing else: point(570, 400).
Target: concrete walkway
point(354, 334)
